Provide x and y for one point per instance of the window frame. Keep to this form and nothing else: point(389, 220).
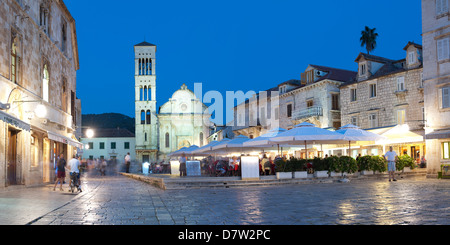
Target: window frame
point(445, 154)
point(443, 52)
point(372, 90)
point(403, 116)
point(353, 95)
point(401, 81)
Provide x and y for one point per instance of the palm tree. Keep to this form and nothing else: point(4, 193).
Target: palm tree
point(369, 38)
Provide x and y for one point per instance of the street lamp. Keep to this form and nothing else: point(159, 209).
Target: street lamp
point(89, 133)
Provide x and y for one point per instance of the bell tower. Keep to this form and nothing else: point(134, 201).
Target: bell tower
point(146, 131)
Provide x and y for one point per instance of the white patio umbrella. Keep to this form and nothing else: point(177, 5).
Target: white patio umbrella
point(307, 133)
point(184, 150)
point(207, 149)
point(264, 141)
point(235, 144)
point(354, 134)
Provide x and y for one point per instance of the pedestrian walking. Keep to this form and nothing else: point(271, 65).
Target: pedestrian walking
point(391, 157)
point(61, 173)
point(74, 166)
point(183, 165)
point(127, 163)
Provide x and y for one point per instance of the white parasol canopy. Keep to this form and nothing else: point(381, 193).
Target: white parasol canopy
point(307, 133)
point(184, 150)
point(354, 134)
point(265, 139)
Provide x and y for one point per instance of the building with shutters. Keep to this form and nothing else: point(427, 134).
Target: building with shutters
point(40, 115)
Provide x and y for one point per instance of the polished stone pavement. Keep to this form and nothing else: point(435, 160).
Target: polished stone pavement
point(118, 200)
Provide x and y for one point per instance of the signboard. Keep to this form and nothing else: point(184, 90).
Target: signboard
point(249, 168)
point(193, 168)
point(175, 167)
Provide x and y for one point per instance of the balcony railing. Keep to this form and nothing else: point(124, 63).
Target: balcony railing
point(308, 112)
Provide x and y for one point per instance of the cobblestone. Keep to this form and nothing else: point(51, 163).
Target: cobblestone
point(118, 200)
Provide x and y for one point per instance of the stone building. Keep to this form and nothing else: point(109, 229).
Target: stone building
point(314, 98)
point(182, 121)
point(40, 114)
point(255, 114)
point(387, 98)
point(110, 144)
point(436, 74)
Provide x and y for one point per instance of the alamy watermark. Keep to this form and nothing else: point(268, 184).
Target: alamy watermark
point(243, 109)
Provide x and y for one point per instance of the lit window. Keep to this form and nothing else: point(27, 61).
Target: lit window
point(446, 150)
point(45, 83)
point(401, 116)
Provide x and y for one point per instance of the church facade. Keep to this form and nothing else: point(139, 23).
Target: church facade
point(182, 121)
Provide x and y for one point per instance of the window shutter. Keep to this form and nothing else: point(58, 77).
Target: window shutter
point(445, 98)
point(445, 49)
point(440, 98)
point(438, 7)
point(444, 6)
point(439, 49)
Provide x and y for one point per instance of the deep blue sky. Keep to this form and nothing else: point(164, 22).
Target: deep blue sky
point(226, 45)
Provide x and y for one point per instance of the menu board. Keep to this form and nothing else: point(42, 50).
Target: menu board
point(249, 167)
point(175, 168)
point(193, 168)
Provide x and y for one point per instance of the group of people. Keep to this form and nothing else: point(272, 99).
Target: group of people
point(74, 169)
point(225, 166)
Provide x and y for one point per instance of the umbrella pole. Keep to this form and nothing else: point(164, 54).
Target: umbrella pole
point(349, 148)
point(306, 151)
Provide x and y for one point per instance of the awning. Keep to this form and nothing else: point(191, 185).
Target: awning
point(7, 118)
point(443, 134)
point(398, 135)
point(64, 139)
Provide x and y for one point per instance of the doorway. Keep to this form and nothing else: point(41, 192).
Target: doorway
point(11, 162)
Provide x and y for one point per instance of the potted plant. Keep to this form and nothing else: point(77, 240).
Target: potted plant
point(320, 167)
point(379, 164)
point(404, 163)
point(299, 168)
point(283, 169)
point(365, 165)
point(336, 167)
point(348, 165)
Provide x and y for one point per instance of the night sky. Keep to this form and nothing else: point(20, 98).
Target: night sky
point(226, 45)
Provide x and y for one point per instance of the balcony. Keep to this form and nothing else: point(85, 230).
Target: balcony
point(315, 111)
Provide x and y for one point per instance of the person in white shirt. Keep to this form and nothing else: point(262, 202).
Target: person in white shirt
point(74, 165)
point(391, 158)
point(127, 163)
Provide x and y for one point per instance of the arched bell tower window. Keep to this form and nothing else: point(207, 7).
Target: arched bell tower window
point(142, 117)
point(149, 117)
point(145, 93)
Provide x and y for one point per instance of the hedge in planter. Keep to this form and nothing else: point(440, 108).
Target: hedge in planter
point(348, 164)
point(281, 166)
point(404, 161)
point(379, 164)
point(343, 164)
point(365, 163)
point(334, 165)
point(297, 164)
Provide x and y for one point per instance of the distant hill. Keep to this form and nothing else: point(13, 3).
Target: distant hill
point(108, 120)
